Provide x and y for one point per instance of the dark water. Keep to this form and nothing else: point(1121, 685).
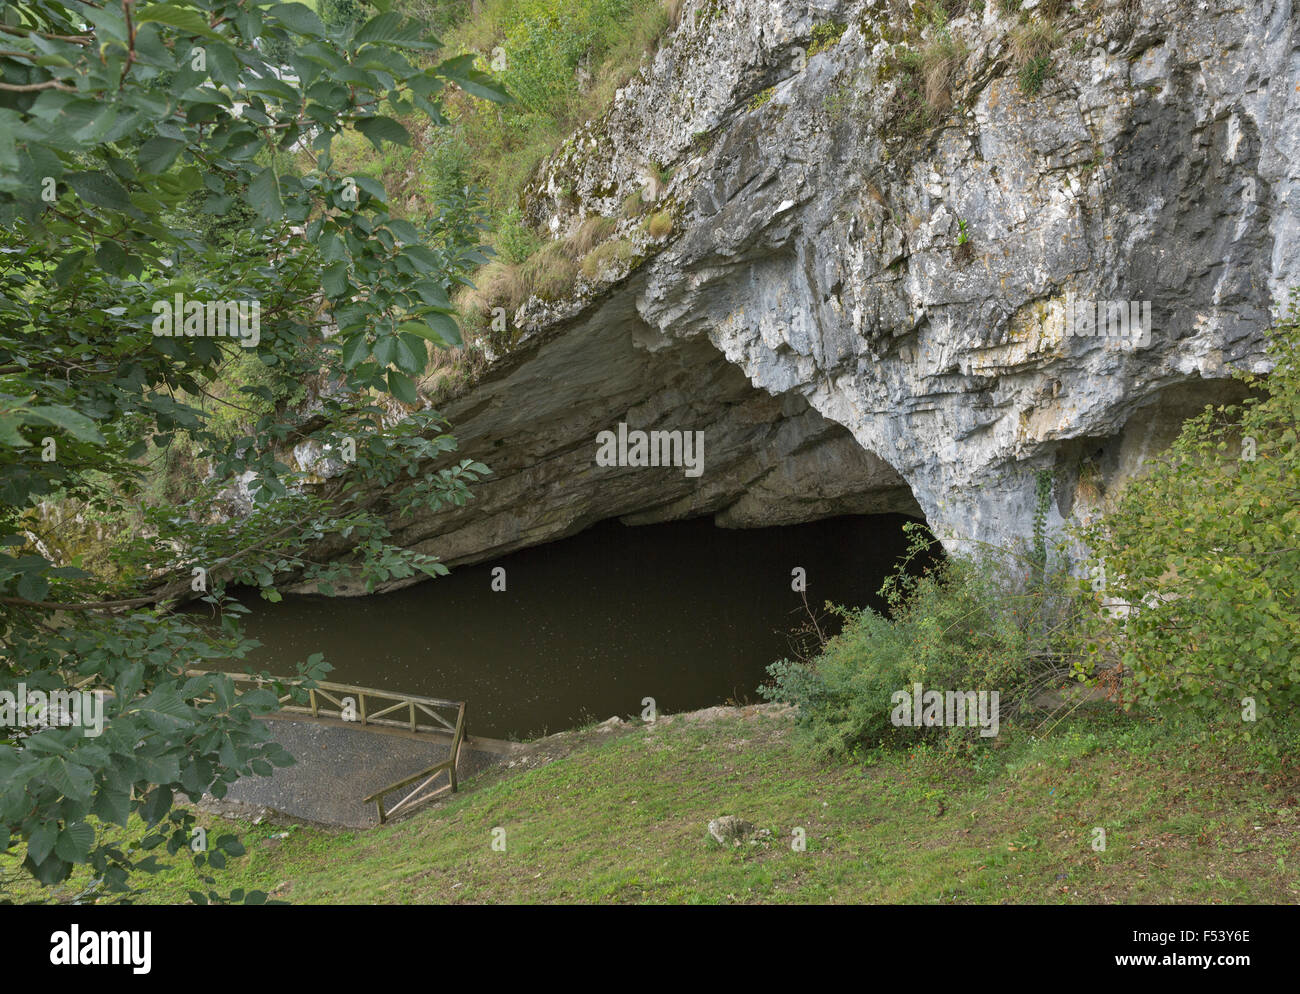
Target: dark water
point(686, 613)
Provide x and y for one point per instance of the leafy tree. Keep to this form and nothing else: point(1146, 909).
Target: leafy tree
point(1202, 555)
point(116, 120)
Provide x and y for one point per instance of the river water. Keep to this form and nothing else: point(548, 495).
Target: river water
point(686, 613)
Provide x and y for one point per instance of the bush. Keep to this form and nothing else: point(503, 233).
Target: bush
point(562, 60)
point(342, 13)
point(438, 16)
point(1202, 554)
point(514, 240)
point(987, 623)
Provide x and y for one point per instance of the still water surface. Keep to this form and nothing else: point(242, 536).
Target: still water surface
point(686, 613)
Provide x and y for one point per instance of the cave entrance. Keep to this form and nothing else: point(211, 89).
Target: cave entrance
point(686, 613)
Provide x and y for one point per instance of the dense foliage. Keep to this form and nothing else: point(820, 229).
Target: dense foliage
point(126, 132)
point(1189, 597)
point(1201, 558)
point(993, 623)
point(561, 60)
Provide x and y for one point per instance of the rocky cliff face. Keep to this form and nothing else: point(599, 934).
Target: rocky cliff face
point(862, 301)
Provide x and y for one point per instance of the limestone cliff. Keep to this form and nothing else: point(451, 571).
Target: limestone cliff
point(860, 302)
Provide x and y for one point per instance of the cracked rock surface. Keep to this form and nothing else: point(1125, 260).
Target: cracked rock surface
point(862, 316)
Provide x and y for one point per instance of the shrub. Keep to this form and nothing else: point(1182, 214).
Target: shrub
point(633, 204)
point(979, 623)
point(936, 13)
point(549, 47)
point(837, 104)
point(925, 80)
point(498, 284)
point(514, 240)
point(1034, 73)
point(447, 166)
point(438, 16)
point(342, 13)
point(1203, 551)
point(825, 36)
point(760, 98)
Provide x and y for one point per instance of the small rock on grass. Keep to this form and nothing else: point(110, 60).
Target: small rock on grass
point(729, 830)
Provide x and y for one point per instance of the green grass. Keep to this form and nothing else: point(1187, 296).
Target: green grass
point(563, 60)
point(624, 821)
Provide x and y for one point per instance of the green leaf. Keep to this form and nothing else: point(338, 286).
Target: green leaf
point(334, 279)
point(112, 806)
point(9, 424)
point(67, 266)
point(264, 195)
point(401, 387)
point(157, 154)
point(75, 842)
point(381, 129)
point(413, 355)
point(381, 27)
point(385, 350)
point(231, 845)
point(425, 332)
point(446, 327)
point(72, 781)
point(404, 231)
point(186, 19)
point(41, 842)
point(112, 258)
point(298, 18)
point(100, 189)
point(355, 350)
point(33, 587)
point(74, 423)
point(476, 83)
point(372, 187)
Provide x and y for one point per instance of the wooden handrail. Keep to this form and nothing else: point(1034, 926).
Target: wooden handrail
point(332, 693)
point(421, 793)
point(330, 685)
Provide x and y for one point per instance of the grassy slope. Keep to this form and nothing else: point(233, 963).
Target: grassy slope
point(623, 820)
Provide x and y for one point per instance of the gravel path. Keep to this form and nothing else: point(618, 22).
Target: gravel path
point(339, 765)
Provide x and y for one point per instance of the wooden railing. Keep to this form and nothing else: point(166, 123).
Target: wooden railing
point(424, 791)
point(325, 694)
